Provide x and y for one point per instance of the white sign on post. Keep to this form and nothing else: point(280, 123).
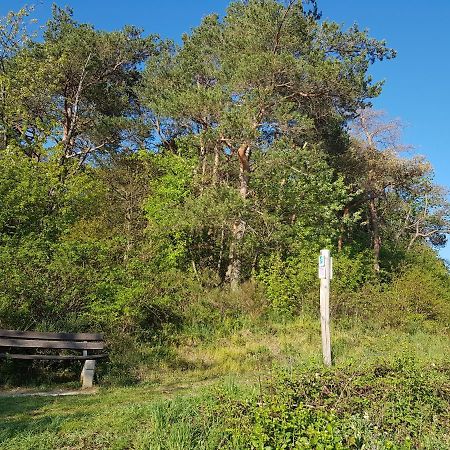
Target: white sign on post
point(325, 275)
point(322, 269)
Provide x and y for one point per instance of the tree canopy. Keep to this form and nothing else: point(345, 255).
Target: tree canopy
point(134, 169)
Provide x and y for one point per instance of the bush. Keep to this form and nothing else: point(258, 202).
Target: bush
point(417, 296)
point(291, 284)
point(395, 405)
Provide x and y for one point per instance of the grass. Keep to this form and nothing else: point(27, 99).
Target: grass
point(253, 351)
point(122, 418)
point(175, 404)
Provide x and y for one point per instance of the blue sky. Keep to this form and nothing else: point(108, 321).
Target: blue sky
point(416, 88)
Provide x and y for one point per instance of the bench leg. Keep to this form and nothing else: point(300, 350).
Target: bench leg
point(87, 374)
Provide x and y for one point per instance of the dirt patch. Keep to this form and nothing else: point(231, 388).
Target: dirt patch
point(54, 393)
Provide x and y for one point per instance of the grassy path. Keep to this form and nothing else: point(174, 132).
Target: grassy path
point(153, 417)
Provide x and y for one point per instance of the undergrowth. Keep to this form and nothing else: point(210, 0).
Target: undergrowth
point(396, 403)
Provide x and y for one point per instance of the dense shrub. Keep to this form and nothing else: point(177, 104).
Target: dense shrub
point(418, 295)
point(291, 284)
point(396, 405)
point(288, 282)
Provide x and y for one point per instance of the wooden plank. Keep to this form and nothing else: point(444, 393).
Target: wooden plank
point(51, 357)
point(36, 343)
point(51, 336)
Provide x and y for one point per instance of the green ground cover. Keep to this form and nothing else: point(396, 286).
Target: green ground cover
point(258, 389)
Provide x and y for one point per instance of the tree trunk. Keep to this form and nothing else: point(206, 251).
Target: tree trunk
point(4, 131)
point(215, 174)
point(235, 262)
point(340, 242)
point(244, 169)
point(203, 169)
point(376, 238)
point(222, 244)
point(239, 226)
point(128, 233)
point(342, 229)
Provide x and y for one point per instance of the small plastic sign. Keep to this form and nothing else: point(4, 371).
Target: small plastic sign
point(322, 267)
point(324, 271)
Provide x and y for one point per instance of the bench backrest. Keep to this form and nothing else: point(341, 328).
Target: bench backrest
point(34, 339)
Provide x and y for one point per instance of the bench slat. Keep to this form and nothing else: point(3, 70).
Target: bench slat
point(35, 343)
point(51, 357)
point(51, 336)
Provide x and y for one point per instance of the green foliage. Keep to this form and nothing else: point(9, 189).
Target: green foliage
point(165, 206)
point(351, 270)
point(37, 212)
point(279, 426)
point(165, 194)
point(73, 91)
point(24, 193)
point(416, 297)
point(395, 405)
point(291, 283)
point(295, 190)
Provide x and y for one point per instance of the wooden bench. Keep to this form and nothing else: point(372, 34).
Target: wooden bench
point(90, 344)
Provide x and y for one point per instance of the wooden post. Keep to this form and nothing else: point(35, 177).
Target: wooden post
point(325, 275)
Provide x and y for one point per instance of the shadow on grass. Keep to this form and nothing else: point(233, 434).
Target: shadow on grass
point(11, 406)
point(31, 415)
